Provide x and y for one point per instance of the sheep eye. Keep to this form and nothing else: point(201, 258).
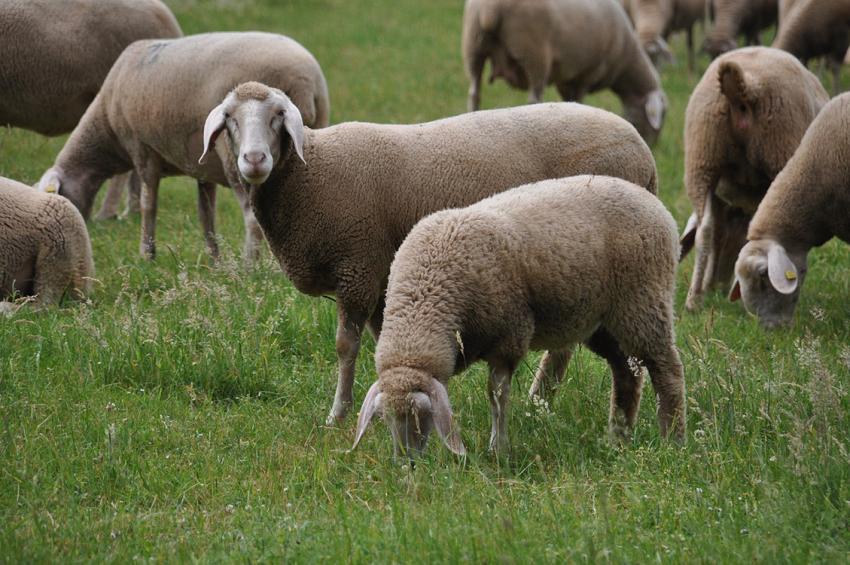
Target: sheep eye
point(227, 115)
point(280, 113)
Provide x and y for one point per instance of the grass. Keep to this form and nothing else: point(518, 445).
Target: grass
point(179, 414)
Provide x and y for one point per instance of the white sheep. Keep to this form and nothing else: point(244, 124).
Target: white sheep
point(656, 20)
point(151, 109)
point(44, 247)
point(546, 265)
point(744, 120)
point(807, 205)
point(335, 222)
point(580, 46)
point(734, 17)
point(57, 54)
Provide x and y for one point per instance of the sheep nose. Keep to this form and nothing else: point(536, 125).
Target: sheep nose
point(254, 157)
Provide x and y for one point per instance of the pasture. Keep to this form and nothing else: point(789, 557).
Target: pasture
point(179, 415)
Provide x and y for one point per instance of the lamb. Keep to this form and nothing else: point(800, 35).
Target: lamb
point(655, 20)
point(814, 28)
point(807, 205)
point(580, 46)
point(540, 266)
point(335, 222)
point(743, 122)
point(149, 113)
point(44, 247)
point(734, 17)
point(56, 56)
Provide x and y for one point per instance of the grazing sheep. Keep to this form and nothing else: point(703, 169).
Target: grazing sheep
point(580, 46)
point(541, 266)
point(656, 20)
point(734, 17)
point(335, 222)
point(743, 122)
point(149, 113)
point(56, 55)
point(807, 205)
point(44, 247)
point(815, 28)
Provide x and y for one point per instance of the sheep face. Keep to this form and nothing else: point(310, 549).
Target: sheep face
point(412, 419)
point(55, 181)
point(769, 282)
point(647, 114)
point(259, 121)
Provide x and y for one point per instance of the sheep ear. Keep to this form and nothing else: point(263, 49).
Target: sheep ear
point(50, 182)
point(735, 293)
point(781, 271)
point(212, 129)
point(294, 127)
point(732, 82)
point(655, 106)
point(443, 421)
point(372, 405)
point(689, 236)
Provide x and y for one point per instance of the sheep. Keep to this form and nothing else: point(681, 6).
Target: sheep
point(733, 17)
point(44, 247)
point(149, 113)
point(580, 46)
point(335, 222)
point(743, 122)
point(56, 55)
point(543, 265)
point(655, 20)
point(807, 205)
point(813, 28)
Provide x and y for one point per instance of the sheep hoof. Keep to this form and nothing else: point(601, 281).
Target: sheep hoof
point(619, 430)
point(693, 303)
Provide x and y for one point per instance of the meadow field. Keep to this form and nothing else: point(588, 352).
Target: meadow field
point(179, 414)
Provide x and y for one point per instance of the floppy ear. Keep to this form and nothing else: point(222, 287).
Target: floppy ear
point(732, 82)
point(443, 421)
point(655, 106)
point(371, 407)
point(659, 51)
point(735, 293)
point(781, 270)
point(50, 182)
point(212, 129)
point(689, 236)
point(294, 127)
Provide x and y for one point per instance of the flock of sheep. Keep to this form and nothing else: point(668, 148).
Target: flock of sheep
point(475, 237)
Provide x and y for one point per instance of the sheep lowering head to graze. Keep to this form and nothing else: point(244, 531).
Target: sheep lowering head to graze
point(655, 20)
point(44, 247)
point(339, 201)
point(149, 116)
point(744, 120)
point(580, 46)
point(807, 205)
point(547, 265)
point(734, 17)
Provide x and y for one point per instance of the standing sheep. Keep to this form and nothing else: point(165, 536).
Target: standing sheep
point(734, 17)
point(335, 222)
point(814, 28)
point(655, 20)
point(744, 120)
point(44, 247)
point(149, 115)
point(544, 265)
point(580, 46)
point(56, 55)
point(807, 205)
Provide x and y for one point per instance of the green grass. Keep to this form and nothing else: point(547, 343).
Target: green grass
point(179, 415)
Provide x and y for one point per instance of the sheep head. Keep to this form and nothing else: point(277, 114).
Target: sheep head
point(647, 114)
point(260, 121)
point(80, 191)
point(769, 281)
point(412, 418)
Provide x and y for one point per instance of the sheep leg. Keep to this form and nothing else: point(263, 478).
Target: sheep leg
point(112, 201)
point(626, 389)
point(149, 201)
point(549, 374)
point(253, 231)
point(668, 380)
point(134, 193)
point(349, 328)
point(206, 212)
point(704, 249)
point(476, 70)
point(690, 41)
point(499, 391)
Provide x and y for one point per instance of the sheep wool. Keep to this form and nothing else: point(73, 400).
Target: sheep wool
point(734, 17)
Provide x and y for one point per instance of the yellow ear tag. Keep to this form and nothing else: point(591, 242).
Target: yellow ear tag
point(790, 275)
point(50, 188)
